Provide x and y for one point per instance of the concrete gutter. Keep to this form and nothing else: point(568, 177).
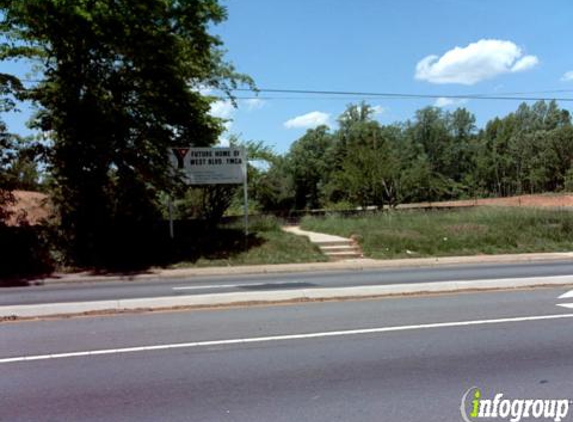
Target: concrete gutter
point(280, 296)
point(347, 265)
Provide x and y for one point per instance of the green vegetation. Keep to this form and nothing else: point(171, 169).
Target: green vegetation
point(438, 155)
point(117, 83)
point(8, 85)
point(226, 246)
point(411, 234)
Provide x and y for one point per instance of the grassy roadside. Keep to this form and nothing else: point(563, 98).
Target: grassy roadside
point(448, 233)
point(267, 244)
point(27, 254)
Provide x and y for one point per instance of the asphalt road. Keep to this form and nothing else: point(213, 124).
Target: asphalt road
point(517, 343)
point(79, 292)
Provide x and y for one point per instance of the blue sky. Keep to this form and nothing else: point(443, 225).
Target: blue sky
point(504, 46)
point(436, 47)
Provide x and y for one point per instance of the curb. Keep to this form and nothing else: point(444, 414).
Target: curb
point(281, 296)
point(355, 264)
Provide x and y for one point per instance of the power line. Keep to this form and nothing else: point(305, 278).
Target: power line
point(394, 95)
point(512, 96)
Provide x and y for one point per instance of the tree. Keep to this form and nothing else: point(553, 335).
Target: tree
point(461, 154)
point(22, 171)
point(306, 160)
point(371, 175)
point(6, 182)
point(120, 86)
point(431, 136)
point(10, 89)
point(274, 190)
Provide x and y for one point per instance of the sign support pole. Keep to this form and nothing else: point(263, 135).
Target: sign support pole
point(246, 197)
point(171, 229)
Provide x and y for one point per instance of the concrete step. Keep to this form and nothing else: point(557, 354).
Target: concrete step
point(340, 248)
point(334, 243)
point(334, 247)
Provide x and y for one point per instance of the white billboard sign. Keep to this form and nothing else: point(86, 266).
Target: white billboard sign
point(210, 166)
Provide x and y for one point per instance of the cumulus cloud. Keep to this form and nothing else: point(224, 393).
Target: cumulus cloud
point(449, 102)
point(224, 141)
point(223, 109)
point(525, 63)
point(204, 90)
point(308, 120)
point(377, 110)
point(478, 61)
point(567, 76)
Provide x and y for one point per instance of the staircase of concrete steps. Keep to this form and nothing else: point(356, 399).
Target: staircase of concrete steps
point(335, 247)
point(340, 250)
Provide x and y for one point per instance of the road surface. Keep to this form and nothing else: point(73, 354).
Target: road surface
point(399, 359)
point(79, 292)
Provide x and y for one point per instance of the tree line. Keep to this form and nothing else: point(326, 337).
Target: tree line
point(437, 155)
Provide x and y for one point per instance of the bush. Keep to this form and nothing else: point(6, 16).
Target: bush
point(24, 252)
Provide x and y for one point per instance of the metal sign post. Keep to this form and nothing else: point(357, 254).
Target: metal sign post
point(171, 230)
point(246, 196)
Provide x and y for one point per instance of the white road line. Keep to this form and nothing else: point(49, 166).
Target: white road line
point(281, 338)
point(566, 295)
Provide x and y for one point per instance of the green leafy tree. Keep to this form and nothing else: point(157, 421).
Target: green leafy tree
point(372, 175)
point(430, 131)
point(309, 167)
point(462, 151)
point(120, 84)
point(22, 171)
point(6, 181)
point(274, 190)
point(10, 90)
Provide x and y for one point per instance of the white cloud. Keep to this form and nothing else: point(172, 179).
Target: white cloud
point(205, 90)
point(309, 120)
point(478, 61)
point(224, 141)
point(223, 109)
point(567, 76)
point(254, 104)
point(449, 102)
point(377, 110)
point(525, 63)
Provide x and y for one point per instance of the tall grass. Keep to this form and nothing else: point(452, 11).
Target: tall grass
point(266, 244)
point(484, 230)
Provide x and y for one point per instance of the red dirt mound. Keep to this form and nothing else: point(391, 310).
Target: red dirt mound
point(30, 208)
point(543, 200)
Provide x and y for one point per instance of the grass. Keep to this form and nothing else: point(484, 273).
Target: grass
point(267, 244)
point(28, 253)
point(448, 233)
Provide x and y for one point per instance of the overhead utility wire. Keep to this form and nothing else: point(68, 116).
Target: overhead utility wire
point(390, 95)
point(399, 95)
